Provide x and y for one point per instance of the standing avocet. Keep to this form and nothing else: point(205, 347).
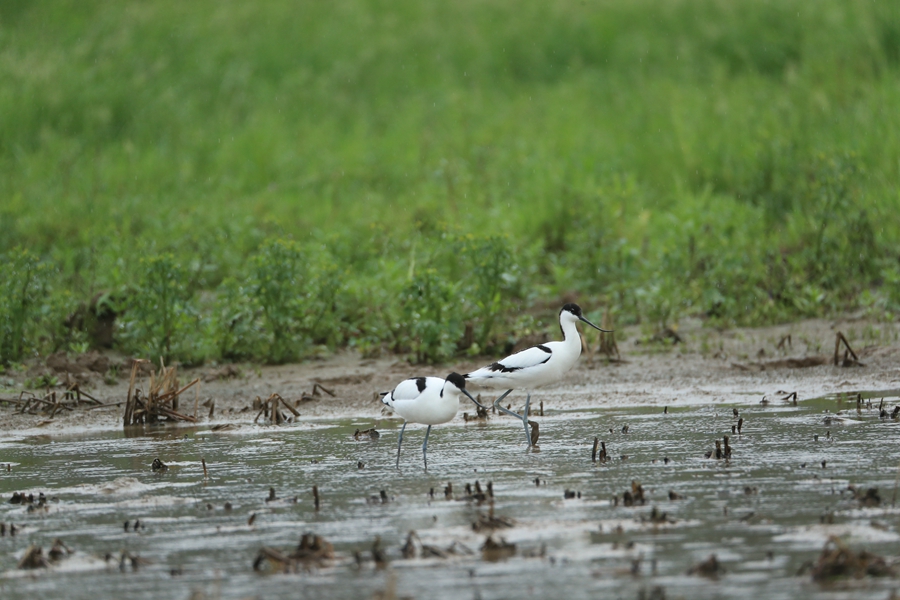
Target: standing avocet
point(536, 366)
point(426, 400)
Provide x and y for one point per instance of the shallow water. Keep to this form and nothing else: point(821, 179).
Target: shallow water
point(760, 512)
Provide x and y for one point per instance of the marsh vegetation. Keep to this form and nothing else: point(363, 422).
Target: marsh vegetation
point(268, 182)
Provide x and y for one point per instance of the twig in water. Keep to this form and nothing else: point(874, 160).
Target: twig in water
point(319, 386)
point(839, 338)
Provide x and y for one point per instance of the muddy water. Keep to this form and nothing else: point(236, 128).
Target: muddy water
point(761, 512)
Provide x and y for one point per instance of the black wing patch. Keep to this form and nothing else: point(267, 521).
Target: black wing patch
point(495, 367)
point(420, 384)
point(502, 368)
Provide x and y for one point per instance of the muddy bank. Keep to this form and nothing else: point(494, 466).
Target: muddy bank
point(702, 366)
point(800, 503)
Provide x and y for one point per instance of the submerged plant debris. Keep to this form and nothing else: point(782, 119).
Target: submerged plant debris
point(509, 519)
point(839, 561)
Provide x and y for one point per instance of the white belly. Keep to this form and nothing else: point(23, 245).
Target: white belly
point(432, 412)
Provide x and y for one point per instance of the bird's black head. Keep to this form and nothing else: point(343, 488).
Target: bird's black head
point(572, 308)
point(457, 380)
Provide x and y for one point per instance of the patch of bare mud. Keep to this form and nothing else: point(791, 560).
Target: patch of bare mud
point(706, 366)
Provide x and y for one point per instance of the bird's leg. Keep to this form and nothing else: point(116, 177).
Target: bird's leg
point(505, 410)
point(399, 443)
point(525, 419)
point(425, 447)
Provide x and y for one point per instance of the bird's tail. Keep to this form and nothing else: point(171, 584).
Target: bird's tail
point(387, 399)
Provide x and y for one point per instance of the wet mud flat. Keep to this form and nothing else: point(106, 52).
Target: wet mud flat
point(800, 502)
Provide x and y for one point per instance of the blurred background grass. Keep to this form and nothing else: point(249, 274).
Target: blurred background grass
point(264, 181)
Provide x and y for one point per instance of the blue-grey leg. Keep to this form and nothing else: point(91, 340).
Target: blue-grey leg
point(425, 447)
point(525, 419)
point(399, 442)
point(523, 416)
point(503, 409)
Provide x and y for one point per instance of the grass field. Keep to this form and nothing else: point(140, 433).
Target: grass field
point(263, 181)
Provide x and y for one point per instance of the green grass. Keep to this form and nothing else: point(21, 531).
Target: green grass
point(735, 160)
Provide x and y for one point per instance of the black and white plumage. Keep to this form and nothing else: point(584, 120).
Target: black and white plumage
point(536, 366)
point(426, 400)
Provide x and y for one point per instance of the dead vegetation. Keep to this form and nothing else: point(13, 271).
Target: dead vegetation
point(607, 342)
point(848, 358)
point(53, 402)
point(160, 402)
point(723, 449)
point(493, 550)
point(490, 522)
point(635, 497)
point(312, 551)
point(838, 561)
point(481, 414)
point(414, 547)
point(34, 557)
point(600, 456)
point(270, 411)
point(657, 517)
point(711, 567)
point(866, 497)
point(366, 434)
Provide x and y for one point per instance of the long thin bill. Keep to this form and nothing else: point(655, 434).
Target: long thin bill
point(474, 400)
point(595, 327)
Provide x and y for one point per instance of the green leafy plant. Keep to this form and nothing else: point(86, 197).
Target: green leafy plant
point(490, 278)
point(237, 322)
point(277, 286)
point(24, 304)
point(432, 326)
point(42, 381)
point(162, 318)
point(324, 306)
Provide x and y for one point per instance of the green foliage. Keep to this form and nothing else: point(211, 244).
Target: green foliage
point(42, 381)
point(287, 301)
point(278, 279)
point(431, 326)
point(238, 333)
point(23, 298)
point(325, 302)
point(161, 317)
point(310, 172)
point(489, 276)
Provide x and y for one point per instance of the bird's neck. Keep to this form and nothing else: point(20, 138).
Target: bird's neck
point(570, 332)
